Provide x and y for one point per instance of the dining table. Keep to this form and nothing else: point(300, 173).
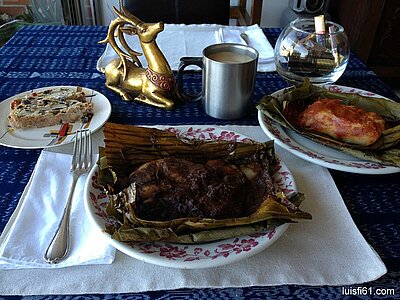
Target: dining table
point(357, 214)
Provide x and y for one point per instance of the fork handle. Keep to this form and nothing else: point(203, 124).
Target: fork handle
point(59, 246)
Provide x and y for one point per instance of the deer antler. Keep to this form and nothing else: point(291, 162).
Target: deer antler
point(125, 14)
point(116, 25)
point(133, 53)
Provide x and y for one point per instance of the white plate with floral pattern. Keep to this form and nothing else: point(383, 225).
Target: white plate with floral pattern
point(318, 153)
point(188, 256)
point(51, 136)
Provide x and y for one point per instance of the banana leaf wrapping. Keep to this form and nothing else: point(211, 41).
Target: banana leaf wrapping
point(129, 147)
point(294, 100)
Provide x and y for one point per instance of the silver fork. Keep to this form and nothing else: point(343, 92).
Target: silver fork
point(81, 163)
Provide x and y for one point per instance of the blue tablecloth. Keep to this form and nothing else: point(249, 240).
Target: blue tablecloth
point(40, 56)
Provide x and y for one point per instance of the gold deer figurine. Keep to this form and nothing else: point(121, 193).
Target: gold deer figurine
point(154, 85)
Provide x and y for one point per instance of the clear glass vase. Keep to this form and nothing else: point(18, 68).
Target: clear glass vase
point(301, 52)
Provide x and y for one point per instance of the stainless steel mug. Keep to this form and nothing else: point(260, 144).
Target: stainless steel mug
point(228, 77)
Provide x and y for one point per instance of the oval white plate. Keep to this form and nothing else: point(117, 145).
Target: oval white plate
point(33, 138)
point(318, 153)
point(187, 256)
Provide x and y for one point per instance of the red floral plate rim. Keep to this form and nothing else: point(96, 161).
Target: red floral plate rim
point(317, 153)
point(187, 256)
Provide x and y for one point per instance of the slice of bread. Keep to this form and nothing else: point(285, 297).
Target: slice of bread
point(49, 107)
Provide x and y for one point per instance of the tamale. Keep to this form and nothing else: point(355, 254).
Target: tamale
point(295, 100)
point(128, 148)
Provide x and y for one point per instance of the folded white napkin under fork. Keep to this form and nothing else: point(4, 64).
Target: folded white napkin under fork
point(252, 36)
point(33, 224)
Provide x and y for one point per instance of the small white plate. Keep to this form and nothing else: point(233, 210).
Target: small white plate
point(188, 256)
point(317, 153)
point(33, 138)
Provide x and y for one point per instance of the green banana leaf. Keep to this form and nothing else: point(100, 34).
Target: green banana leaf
point(196, 230)
point(128, 147)
point(134, 234)
point(294, 100)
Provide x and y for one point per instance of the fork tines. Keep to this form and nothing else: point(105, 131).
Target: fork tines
point(82, 153)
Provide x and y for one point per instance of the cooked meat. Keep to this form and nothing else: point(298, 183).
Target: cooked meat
point(342, 122)
point(175, 188)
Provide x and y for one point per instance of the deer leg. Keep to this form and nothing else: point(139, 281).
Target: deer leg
point(120, 91)
point(164, 101)
point(156, 100)
point(114, 78)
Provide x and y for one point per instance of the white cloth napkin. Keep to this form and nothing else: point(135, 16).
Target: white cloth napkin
point(32, 226)
point(178, 40)
point(252, 36)
point(327, 250)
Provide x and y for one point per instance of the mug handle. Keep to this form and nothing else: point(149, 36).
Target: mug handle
point(184, 62)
